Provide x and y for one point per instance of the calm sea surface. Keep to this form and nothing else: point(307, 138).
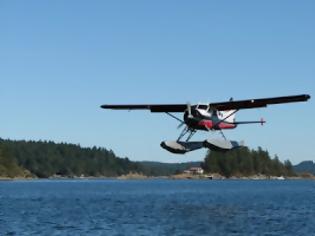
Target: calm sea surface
point(157, 207)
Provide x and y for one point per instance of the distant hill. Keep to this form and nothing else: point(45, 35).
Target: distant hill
point(305, 167)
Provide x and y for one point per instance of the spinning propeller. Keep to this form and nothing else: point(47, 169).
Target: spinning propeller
point(189, 116)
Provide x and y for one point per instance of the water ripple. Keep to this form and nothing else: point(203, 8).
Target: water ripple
point(157, 207)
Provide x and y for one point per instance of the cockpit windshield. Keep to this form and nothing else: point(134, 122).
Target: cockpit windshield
point(202, 107)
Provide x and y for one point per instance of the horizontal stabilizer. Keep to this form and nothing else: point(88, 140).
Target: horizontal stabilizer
point(262, 122)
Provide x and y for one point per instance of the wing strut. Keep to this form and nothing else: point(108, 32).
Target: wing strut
point(176, 118)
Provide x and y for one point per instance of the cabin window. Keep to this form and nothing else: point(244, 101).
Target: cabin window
point(203, 107)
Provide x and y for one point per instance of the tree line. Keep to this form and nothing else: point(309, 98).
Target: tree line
point(44, 159)
point(246, 162)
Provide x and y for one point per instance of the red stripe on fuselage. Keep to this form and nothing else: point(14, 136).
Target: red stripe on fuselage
point(224, 125)
point(209, 124)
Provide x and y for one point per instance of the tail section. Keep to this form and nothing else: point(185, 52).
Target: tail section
point(262, 122)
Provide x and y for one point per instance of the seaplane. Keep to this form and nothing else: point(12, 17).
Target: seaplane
point(208, 117)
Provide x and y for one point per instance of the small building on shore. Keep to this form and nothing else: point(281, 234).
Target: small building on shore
point(194, 171)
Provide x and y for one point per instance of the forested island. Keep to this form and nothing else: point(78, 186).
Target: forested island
point(45, 159)
point(246, 162)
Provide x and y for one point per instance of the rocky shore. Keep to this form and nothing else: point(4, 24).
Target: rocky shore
point(137, 176)
point(216, 176)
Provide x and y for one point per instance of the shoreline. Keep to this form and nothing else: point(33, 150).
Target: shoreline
point(173, 177)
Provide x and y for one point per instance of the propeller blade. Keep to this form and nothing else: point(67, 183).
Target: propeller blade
point(189, 116)
point(189, 110)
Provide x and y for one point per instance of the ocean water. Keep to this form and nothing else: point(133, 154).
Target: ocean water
point(157, 207)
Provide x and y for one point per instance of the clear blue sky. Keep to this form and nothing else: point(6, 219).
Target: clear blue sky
point(60, 60)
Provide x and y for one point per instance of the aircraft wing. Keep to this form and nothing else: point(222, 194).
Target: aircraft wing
point(221, 106)
point(151, 107)
point(258, 103)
